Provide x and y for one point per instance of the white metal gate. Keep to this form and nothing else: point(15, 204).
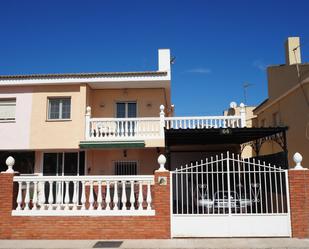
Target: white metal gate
point(226, 196)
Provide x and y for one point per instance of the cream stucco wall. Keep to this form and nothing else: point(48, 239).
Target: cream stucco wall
point(57, 134)
point(293, 112)
point(103, 102)
point(101, 162)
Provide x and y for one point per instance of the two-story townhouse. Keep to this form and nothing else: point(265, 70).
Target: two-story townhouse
point(85, 123)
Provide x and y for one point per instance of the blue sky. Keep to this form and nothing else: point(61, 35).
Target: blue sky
point(218, 45)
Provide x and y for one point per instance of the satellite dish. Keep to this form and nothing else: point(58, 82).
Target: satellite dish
point(233, 105)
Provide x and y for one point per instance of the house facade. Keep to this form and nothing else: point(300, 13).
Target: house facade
point(102, 155)
point(288, 102)
point(66, 124)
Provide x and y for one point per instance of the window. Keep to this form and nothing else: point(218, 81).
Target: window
point(125, 168)
point(276, 119)
point(64, 163)
point(263, 122)
point(59, 108)
point(126, 109)
point(7, 109)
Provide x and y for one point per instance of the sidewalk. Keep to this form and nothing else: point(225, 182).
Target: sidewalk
point(264, 243)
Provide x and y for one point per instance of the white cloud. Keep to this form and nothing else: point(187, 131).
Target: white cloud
point(199, 70)
point(259, 64)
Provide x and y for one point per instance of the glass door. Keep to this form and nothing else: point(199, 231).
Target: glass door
point(126, 110)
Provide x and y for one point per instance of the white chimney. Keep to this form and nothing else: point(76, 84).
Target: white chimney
point(164, 60)
point(292, 51)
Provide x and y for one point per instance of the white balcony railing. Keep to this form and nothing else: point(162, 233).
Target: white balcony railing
point(153, 127)
point(84, 195)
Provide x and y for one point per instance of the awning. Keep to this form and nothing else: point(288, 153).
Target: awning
point(111, 144)
point(218, 135)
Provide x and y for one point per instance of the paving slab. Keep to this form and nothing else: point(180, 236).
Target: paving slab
point(213, 243)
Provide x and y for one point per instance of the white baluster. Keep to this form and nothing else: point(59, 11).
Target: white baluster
point(115, 199)
point(92, 130)
point(74, 200)
point(131, 128)
point(42, 195)
point(51, 196)
point(132, 199)
point(148, 199)
point(108, 196)
point(83, 196)
point(35, 196)
point(140, 196)
point(27, 197)
point(124, 196)
point(99, 198)
point(126, 128)
point(67, 196)
point(19, 196)
point(91, 197)
point(58, 195)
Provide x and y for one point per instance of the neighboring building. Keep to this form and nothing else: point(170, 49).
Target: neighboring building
point(235, 110)
point(247, 151)
point(288, 102)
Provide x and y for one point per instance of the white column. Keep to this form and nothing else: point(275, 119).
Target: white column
point(83, 196)
point(87, 123)
point(242, 115)
point(19, 196)
point(124, 196)
point(99, 198)
point(162, 121)
point(35, 196)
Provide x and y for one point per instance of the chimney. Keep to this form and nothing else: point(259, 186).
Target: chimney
point(292, 51)
point(164, 60)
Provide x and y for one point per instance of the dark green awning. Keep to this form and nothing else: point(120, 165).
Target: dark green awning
point(111, 144)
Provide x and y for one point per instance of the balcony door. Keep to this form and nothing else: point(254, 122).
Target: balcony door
point(126, 110)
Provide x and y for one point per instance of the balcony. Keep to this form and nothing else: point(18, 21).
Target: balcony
point(145, 128)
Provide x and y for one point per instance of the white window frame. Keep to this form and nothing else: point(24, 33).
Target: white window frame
point(9, 119)
point(126, 107)
point(60, 108)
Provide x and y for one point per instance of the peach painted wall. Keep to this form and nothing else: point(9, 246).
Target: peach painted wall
point(16, 135)
point(103, 102)
point(57, 134)
point(101, 162)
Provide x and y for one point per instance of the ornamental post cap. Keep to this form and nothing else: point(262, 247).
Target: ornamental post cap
point(298, 159)
point(10, 161)
point(161, 159)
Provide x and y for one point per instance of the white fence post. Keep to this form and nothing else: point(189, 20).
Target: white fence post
point(87, 123)
point(162, 121)
point(242, 115)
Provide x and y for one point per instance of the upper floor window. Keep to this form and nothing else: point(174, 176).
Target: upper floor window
point(7, 109)
point(263, 123)
point(126, 110)
point(59, 108)
point(276, 119)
